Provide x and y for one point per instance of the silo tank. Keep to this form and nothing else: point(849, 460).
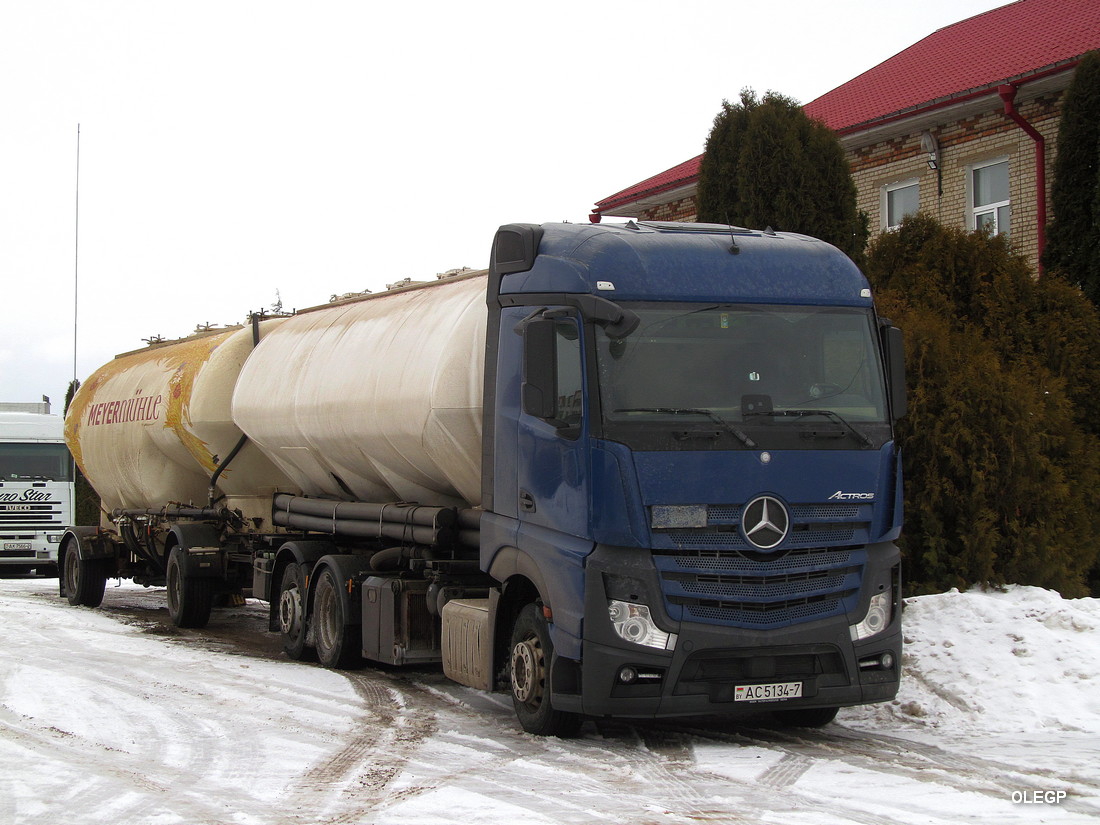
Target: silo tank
point(378, 399)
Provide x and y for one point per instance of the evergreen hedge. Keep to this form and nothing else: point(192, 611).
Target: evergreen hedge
point(1001, 447)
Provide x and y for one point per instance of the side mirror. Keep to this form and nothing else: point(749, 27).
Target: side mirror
point(540, 369)
point(893, 348)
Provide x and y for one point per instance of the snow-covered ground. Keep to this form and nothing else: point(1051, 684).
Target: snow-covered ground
point(113, 717)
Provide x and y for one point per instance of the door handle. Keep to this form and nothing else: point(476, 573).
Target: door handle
point(526, 502)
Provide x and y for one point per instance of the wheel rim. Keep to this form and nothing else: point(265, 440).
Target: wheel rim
point(327, 629)
point(72, 572)
point(290, 611)
point(528, 671)
point(175, 588)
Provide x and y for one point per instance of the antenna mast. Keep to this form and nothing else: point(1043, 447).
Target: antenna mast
point(76, 251)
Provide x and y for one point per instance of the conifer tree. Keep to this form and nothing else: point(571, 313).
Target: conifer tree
point(1073, 238)
point(767, 163)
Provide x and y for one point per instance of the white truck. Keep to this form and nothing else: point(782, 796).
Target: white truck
point(36, 491)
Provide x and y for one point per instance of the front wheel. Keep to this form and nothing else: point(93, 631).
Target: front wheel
point(529, 668)
point(85, 580)
point(190, 599)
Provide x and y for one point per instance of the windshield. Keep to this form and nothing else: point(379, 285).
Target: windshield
point(764, 376)
point(35, 462)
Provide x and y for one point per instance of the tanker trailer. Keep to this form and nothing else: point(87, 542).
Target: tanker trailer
point(152, 433)
point(642, 470)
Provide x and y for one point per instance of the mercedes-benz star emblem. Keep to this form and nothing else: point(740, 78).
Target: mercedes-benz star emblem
point(765, 522)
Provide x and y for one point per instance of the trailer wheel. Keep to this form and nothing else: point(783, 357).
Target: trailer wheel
point(190, 599)
point(85, 579)
point(529, 669)
point(292, 614)
point(805, 717)
point(339, 645)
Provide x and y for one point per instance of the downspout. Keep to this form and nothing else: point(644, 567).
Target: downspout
point(1008, 95)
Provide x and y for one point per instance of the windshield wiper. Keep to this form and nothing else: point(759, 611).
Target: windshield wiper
point(713, 416)
point(832, 416)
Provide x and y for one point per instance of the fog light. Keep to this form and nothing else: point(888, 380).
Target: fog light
point(884, 661)
point(53, 538)
point(876, 620)
point(630, 675)
point(633, 623)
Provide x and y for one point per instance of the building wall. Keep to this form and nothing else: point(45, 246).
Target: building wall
point(683, 211)
point(945, 194)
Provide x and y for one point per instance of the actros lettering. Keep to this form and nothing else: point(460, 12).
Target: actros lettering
point(840, 495)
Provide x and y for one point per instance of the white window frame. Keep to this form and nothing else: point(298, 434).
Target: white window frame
point(884, 201)
point(974, 211)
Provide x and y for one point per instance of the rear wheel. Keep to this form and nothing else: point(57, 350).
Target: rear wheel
point(190, 599)
point(529, 668)
point(805, 717)
point(85, 579)
point(292, 613)
point(339, 645)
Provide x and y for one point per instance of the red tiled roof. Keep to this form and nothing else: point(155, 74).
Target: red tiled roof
point(1008, 43)
point(666, 181)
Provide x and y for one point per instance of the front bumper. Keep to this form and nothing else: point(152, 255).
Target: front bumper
point(27, 552)
point(700, 676)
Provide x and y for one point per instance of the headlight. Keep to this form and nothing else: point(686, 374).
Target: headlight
point(633, 623)
point(53, 538)
point(876, 620)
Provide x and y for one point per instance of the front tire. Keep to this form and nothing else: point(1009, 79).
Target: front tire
point(339, 645)
point(190, 599)
point(531, 653)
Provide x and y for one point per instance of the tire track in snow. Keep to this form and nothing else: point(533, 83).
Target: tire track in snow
point(354, 780)
point(897, 757)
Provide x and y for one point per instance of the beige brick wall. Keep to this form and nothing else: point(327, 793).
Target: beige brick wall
point(962, 143)
point(683, 210)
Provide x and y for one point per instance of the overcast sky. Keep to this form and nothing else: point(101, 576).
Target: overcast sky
point(233, 152)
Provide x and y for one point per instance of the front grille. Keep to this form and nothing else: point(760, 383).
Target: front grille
point(45, 514)
point(713, 575)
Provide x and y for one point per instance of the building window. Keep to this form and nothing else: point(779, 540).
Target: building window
point(989, 190)
point(898, 200)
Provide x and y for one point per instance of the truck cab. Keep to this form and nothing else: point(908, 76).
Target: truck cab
point(690, 473)
point(36, 491)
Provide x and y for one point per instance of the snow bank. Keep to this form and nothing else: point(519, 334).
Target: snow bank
point(1018, 660)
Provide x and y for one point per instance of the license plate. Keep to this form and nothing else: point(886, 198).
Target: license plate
point(17, 545)
point(767, 693)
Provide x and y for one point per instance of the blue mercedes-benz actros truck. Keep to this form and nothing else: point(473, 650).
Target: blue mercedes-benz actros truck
point(691, 484)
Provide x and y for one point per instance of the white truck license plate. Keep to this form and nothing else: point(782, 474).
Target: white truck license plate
point(767, 693)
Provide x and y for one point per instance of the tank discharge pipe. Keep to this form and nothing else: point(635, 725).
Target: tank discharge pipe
point(200, 513)
point(415, 523)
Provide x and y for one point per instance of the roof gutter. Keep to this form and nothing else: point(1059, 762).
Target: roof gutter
point(1008, 95)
